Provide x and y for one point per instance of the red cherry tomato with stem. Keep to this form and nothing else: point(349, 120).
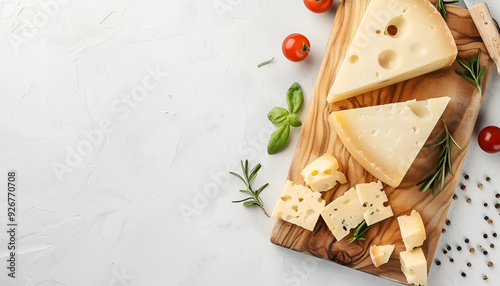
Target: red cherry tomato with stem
point(489, 139)
point(318, 6)
point(296, 47)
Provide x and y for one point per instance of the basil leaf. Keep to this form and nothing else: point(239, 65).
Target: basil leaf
point(278, 139)
point(294, 120)
point(277, 115)
point(294, 98)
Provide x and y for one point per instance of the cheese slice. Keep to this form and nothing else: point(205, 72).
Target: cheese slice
point(299, 205)
point(322, 174)
point(380, 254)
point(395, 41)
point(372, 197)
point(414, 266)
point(386, 139)
point(343, 214)
point(412, 230)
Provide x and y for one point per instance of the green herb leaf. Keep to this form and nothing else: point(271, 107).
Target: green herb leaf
point(474, 70)
point(245, 191)
point(294, 120)
point(287, 118)
point(249, 203)
point(294, 98)
point(442, 9)
point(444, 164)
point(358, 232)
point(279, 138)
point(277, 115)
point(238, 176)
point(265, 63)
point(261, 189)
point(254, 171)
point(243, 200)
point(254, 198)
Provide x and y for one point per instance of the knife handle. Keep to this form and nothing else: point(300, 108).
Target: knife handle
point(488, 31)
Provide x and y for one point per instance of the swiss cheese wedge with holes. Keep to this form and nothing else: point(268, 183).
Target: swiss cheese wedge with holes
point(396, 40)
point(386, 139)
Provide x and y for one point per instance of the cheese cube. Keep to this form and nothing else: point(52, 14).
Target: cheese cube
point(299, 205)
point(380, 254)
point(395, 41)
point(412, 230)
point(386, 139)
point(414, 266)
point(343, 214)
point(322, 174)
point(373, 197)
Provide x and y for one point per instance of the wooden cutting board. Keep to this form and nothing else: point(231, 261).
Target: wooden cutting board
point(318, 137)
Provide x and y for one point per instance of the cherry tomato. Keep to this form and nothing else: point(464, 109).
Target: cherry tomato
point(489, 139)
point(296, 47)
point(318, 6)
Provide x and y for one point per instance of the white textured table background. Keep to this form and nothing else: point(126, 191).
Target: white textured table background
point(122, 119)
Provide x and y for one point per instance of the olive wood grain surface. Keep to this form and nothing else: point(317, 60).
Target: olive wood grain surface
point(318, 137)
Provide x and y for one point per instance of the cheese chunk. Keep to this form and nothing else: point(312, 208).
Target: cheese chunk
point(386, 139)
point(395, 41)
point(412, 230)
point(372, 197)
point(343, 214)
point(414, 266)
point(322, 174)
point(299, 205)
point(380, 254)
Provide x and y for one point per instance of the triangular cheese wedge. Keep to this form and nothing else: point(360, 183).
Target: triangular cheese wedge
point(380, 254)
point(396, 40)
point(386, 139)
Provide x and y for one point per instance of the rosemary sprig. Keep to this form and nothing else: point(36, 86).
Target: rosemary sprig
point(444, 163)
point(247, 179)
point(265, 63)
point(442, 9)
point(358, 232)
point(475, 71)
